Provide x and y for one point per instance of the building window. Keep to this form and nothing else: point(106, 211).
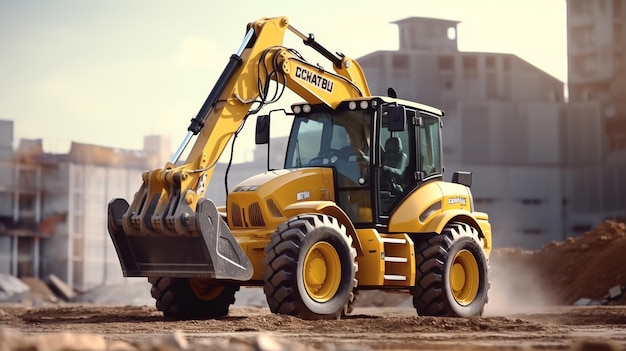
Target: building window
point(470, 63)
point(470, 67)
point(78, 205)
point(532, 201)
point(400, 61)
point(78, 223)
point(490, 62)
point(28, 179)
point(484, 200)
point(78, 247)
point(581, 7)
point(582, 36)
point(584, 64)
point(445, 63)
point(27, 202)
point(532, 231)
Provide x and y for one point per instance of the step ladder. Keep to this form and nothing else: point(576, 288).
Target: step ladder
point(397, 255)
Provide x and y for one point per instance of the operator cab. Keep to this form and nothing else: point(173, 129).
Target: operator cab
point(381, 149)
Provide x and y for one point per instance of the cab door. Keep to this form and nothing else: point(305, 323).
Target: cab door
point(409, 156)
point(396, 163)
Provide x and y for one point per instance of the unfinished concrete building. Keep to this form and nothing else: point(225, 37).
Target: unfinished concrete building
point(503, 123)
point(53, 207)
point(596, 125)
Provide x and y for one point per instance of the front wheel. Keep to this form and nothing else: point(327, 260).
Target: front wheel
point(310, 268)
point(452, 273)
point(192, 298)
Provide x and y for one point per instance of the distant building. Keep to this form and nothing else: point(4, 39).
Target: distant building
point(53, 207)
point(503, 122)
point(596, 113)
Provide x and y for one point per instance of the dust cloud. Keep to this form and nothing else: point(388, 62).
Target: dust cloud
point(515, 287)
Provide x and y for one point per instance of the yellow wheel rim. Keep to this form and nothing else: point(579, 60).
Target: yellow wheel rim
point(205, 289)
point(464, 277)
point(322, 272)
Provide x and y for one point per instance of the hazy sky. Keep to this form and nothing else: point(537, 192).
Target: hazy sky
point(110, 72)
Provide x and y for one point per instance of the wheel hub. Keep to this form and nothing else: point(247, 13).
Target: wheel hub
point(205, 289)
point(464, 277)
point(322, 271)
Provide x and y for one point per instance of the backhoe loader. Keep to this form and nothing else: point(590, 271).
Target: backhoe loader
point(359, 204)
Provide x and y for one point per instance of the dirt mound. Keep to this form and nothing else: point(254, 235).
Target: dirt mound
point(565, 271)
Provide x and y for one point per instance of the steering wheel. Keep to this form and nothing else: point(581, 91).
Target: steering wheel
point(325, 157)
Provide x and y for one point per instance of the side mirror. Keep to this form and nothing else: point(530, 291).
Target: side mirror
point(396, 118)
point(262, 134)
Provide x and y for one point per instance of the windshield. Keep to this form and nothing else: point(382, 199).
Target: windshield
point(324, 138)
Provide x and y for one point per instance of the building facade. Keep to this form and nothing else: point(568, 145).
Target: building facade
point(503, 122)
point(54, 207)
point(596, 128)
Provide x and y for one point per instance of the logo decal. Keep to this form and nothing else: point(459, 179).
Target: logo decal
point(303, 195)
point(314, 79)
point(457, 200)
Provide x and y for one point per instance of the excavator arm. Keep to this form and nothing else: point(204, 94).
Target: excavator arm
point(170, 228)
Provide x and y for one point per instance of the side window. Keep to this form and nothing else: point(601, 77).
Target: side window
point(430, 146)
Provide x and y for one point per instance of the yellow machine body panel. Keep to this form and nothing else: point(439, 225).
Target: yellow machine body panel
point(435, 204)
point(260, 201)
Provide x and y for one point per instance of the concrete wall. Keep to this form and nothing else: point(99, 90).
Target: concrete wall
point(80, 251)
point(524, 204)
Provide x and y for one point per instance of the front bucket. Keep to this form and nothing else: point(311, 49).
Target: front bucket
point(211, 252)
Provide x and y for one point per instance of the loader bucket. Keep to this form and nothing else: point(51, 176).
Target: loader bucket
point(210, 252)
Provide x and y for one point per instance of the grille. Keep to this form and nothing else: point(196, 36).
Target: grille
point(235, 214)
point(271, 205)
point(256, 218)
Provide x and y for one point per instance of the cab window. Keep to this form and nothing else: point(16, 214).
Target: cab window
point(430, 146)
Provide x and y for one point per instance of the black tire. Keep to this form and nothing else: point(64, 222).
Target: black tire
point(439, 291)
point(298, 245)
point(177, 299)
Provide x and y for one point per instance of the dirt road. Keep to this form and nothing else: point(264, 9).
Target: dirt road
point(518, 317)
point(141, 328)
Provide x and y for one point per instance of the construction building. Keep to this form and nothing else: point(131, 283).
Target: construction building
point(596, 113)
point(53, 207)
point(503, 122)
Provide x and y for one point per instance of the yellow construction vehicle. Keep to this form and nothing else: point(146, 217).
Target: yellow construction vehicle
point(360, 204)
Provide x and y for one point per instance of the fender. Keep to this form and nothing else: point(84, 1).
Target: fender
point(437, 224)
point(474, 219)
point(328, 208)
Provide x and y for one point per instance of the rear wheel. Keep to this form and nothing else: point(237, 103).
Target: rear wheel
point(192, 298)
point(310, 268)
point(452, 273)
